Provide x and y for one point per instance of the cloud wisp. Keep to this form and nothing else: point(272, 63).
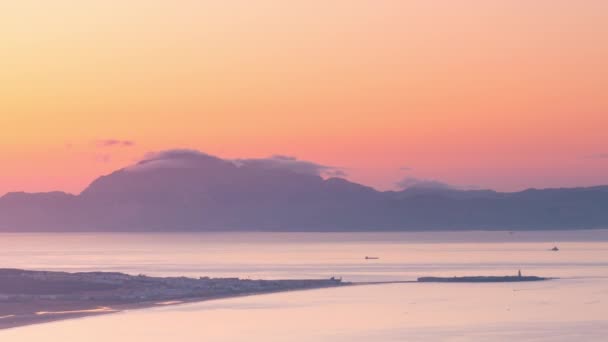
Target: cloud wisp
point(293, 164)
point(115, 143)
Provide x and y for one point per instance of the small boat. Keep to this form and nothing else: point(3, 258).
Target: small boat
point(554, 249)
point(371, 258)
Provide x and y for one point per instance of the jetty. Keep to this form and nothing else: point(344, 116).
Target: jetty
point(480, 279)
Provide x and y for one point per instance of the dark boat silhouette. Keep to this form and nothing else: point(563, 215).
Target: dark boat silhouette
point(371, 258)
point(554, 249)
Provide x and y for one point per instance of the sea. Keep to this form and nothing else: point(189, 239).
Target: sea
point(572, 307)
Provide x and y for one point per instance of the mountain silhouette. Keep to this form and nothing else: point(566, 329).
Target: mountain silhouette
point(192, 191)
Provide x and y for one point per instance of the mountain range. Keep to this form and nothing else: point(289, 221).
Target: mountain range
point(192, 191)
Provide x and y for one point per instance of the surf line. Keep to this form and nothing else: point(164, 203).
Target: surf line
point(99, 309)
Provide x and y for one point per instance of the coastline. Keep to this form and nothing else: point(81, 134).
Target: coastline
point(34, 297)
point(69, 311)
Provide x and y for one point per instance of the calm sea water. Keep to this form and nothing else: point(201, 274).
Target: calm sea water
point(575, 307)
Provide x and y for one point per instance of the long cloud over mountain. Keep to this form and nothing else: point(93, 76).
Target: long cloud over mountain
point(188, 190)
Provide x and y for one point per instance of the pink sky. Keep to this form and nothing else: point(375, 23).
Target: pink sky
point(494, 94)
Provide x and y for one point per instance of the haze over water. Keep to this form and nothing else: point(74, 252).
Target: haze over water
point(573, 307)
point(285, 115)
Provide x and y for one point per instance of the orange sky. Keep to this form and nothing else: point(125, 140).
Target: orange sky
point(498, 94)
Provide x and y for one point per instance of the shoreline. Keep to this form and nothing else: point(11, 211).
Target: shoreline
point(15, 321)
point(36, 297)
point(19, 321)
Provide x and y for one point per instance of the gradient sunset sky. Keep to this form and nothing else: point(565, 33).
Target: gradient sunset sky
point(492, 94)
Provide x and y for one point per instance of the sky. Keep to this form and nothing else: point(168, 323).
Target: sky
point(475, 93)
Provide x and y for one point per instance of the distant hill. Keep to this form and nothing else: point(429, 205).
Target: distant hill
point(191, 191)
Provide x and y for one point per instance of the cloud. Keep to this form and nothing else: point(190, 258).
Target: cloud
point(115, 143)
point(405, 168)
point(599, 156)
point(293, 164)
point(188, 158)
point(176, 158)
point(418, 183)
point(176, 154)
